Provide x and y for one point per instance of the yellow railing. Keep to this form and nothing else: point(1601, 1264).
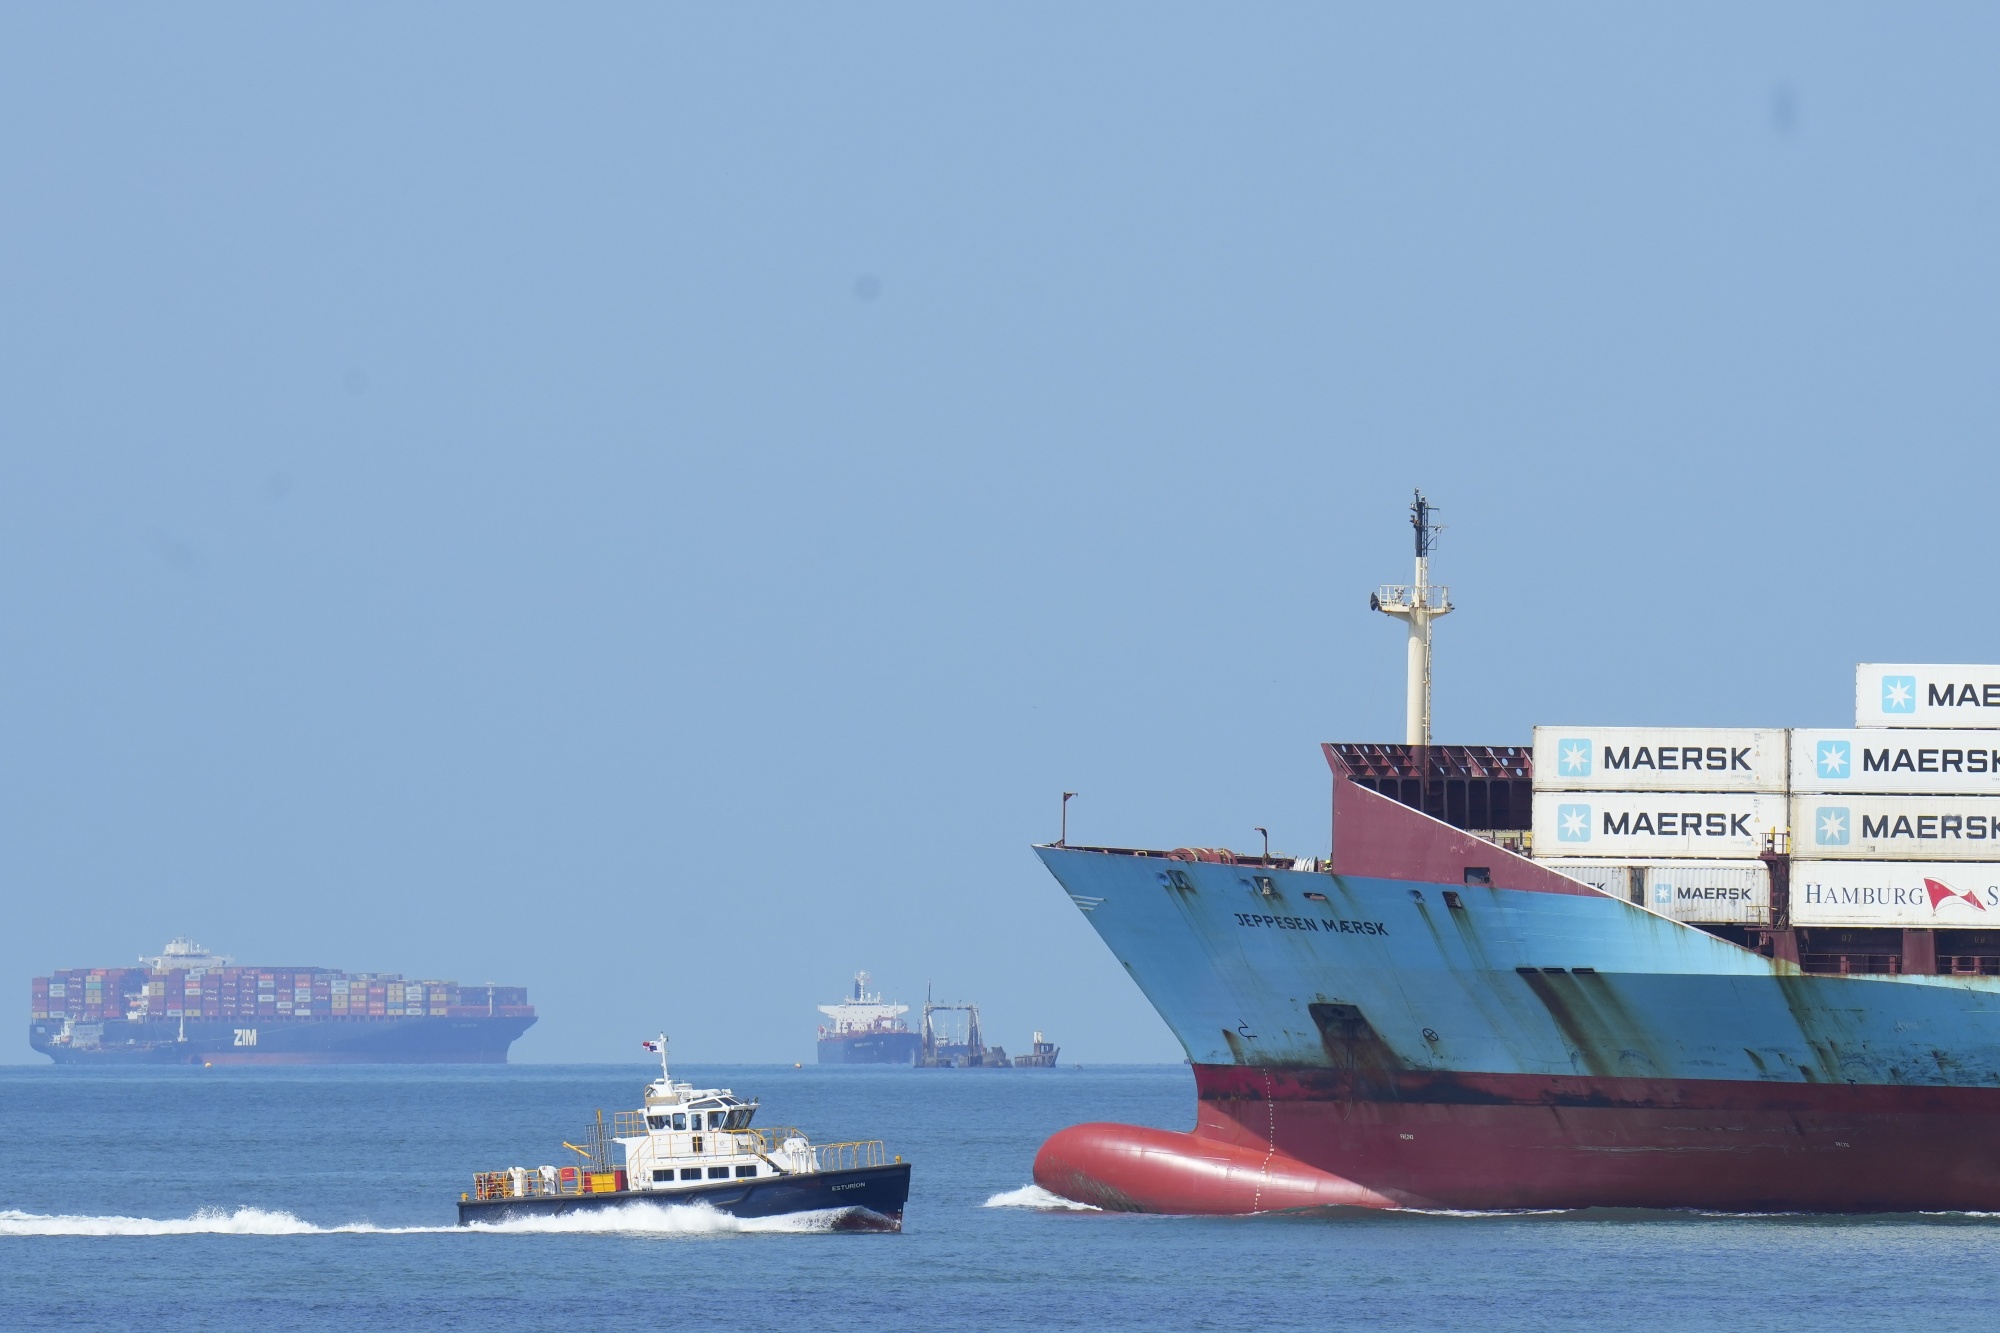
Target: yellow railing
point(529, 1183)
point(848, 1156)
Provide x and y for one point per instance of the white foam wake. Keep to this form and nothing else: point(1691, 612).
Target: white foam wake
point(207, 1222)
point(1034, 1196)
point(657, 1219)
point(650, 1219)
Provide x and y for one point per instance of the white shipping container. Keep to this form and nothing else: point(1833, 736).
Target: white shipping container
point(1642, 826)
point(1889, 760)
point(1660, 759)
point(1612, 877)
point(1903, 694)
point(1899, 828)
point(1934, 894)
point(1715, 892)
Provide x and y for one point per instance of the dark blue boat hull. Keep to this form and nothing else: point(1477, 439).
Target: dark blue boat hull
point(870, 1198)
point(303, 1041)
point(872, 1048)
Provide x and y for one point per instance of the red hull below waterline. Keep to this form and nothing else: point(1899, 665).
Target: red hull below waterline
point(1273, 1140)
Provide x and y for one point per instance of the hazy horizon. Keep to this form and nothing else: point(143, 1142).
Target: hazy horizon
point(655, 505)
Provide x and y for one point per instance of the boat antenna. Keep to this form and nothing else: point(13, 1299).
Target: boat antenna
point(1417, 605)
point(660, 1048)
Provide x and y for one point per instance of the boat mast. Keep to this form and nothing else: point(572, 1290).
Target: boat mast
point(1417, 605)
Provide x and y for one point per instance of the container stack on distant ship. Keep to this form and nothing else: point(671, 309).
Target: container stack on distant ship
point(188, 1006)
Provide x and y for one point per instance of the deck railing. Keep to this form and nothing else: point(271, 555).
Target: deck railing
point(530, 1183)
point(848, 1156)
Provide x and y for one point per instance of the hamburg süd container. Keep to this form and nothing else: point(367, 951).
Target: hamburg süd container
point(1905, 694)
point(1645, 826)
point(1881, 760)
point(1660, 759)
point(1936, 894)
point(1896, 828)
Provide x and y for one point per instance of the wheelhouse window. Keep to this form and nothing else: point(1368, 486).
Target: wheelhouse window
point(658, 1121)
point(680, 1120)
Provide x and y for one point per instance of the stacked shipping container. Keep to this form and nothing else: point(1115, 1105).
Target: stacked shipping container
point(277, 994)
point(1893, 824)
point(1897, 822)
point(1673, 818)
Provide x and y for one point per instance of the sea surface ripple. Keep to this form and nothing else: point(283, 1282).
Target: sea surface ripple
point(323, 1199)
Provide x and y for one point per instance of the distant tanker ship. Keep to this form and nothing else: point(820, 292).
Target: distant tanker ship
point(862, 1030)
point(189, 1006)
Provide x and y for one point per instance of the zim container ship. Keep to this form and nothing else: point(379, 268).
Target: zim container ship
point(1427, 1017)
point(188, 1006)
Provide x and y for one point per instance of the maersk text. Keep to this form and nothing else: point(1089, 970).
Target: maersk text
point(1684, 758)
point(1930, 761)
point(1678, 824)
point(1975, 828)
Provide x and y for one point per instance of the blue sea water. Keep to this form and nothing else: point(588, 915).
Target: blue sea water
point(267, 1199)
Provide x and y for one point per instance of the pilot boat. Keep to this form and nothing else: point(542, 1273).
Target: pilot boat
point(689, 1145)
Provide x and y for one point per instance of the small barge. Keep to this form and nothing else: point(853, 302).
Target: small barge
point(690, 1145)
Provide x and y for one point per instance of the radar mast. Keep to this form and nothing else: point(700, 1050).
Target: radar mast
point(1417, 605)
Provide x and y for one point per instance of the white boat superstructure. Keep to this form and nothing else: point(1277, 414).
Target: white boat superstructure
point(683, 1139)
point(686, 1136)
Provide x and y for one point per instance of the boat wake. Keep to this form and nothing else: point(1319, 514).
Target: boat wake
point(1034, 1196)
point(636, 1219)
point(659, 1219)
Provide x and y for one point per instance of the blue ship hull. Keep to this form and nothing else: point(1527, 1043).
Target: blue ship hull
point(413, 1040)
point(872, 1048)
point(1416, 1040)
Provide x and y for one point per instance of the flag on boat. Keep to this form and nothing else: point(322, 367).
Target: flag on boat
point(651, 1045)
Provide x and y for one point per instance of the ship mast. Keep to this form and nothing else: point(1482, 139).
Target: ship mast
point(1417, 605)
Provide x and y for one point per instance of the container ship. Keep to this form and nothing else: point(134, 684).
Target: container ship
point(1659, 968)
point(188, 1006)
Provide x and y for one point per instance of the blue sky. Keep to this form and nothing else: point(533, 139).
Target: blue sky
point(655, 504)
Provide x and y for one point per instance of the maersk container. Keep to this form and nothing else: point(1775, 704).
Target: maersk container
point(1612, 877)
point(1896, 828)
point(1712, 892)
point(1904, 694)
point(1941, 895)
point(1670, 759)
point(1647, 826)
point(1936, 761)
